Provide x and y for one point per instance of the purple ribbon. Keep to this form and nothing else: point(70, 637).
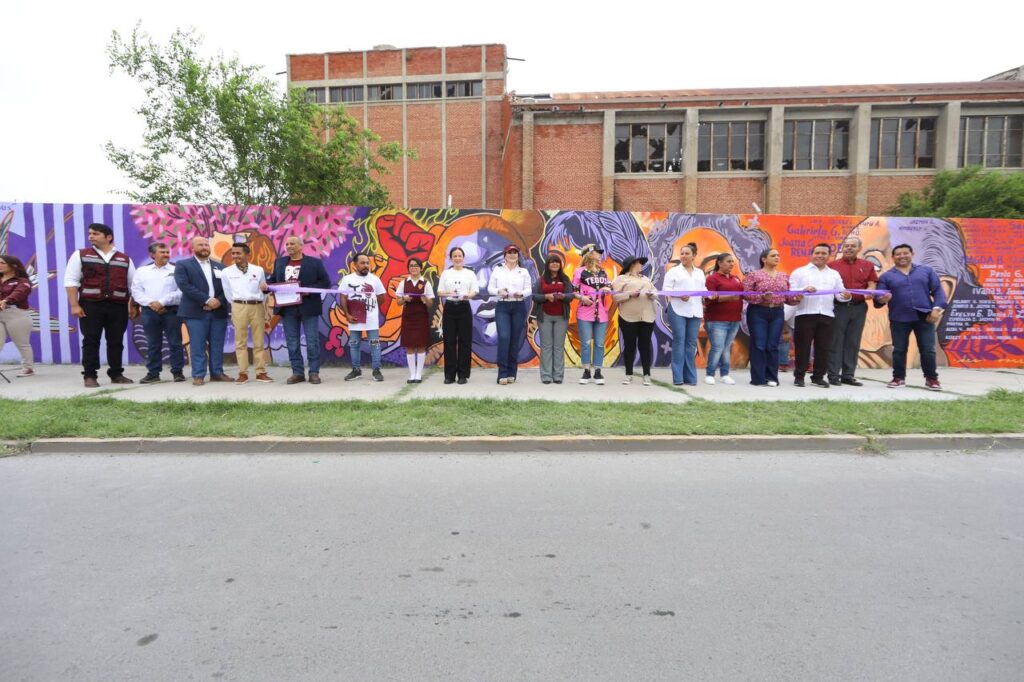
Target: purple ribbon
point(696, 294)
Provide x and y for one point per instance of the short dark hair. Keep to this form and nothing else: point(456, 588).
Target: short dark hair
point(241, 245)
point(820, 245)
point(154, 246)
point(764, 254)
point(101, 228)
point(415, 260)
point(355, 256)
point(454, 249)
point(908, 247)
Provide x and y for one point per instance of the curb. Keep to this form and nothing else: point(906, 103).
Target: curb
point(515, 444)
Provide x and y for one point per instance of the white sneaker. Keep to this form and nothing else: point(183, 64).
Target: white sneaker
point(773, 384)
point(727, 380)
point(710, 381)
point(647, 380)
point(628, 380)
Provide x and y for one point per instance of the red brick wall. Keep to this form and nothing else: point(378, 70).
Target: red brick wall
point(424, 122)
point(465, 157)
point(345, 65)
point(649, 194)
point(386, 121)
point(817, 196)
point(729, 195)
point(495, 58)
point(423, 61)
point(567, 166)
point(495, 139)
point(494, 87)
point(384, 63)
point(463, 59)
point(512, 175)
point(883, 190)
point(307, 67)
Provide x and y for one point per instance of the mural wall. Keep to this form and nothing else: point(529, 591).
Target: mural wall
point(981, 263)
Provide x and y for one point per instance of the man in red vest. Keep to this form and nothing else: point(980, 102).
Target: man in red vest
point(98, 280)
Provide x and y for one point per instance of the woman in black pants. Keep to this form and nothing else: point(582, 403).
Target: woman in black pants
point(635, 294)
point(456, 286)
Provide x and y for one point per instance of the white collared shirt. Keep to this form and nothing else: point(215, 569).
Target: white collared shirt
point(679, 279)
point(243, 286)
point(810, 276)
point(156, 284)
point(515, 282)
point(207, 267)
point(73, 271)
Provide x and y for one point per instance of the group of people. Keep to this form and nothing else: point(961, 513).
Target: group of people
point(105, 290)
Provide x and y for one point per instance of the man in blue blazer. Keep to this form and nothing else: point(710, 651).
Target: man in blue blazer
point(204, 310)
point(304, 317)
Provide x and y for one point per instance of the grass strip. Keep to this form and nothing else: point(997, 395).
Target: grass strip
point(998, 412)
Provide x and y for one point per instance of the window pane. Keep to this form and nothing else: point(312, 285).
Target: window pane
point(720, 146)
point(704, 147)
point(621, 148)
point(890, 134)
point(908, 143)
point(841, 145)
point(755, 145)
point(738, 146)
point(674, 147)
point(1013, 144)
point(975, 139)
point(656, 147)
point(638, 150)
point(787, 145)
point(873, 154)
point(477, 88)
point(963, 142)
point(803, 145)
point(822, 139)
point(994, 142)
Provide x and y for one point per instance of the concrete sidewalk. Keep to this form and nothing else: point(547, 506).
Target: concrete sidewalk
point(65, 381)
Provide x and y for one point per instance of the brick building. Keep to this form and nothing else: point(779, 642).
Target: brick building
point(807, 150)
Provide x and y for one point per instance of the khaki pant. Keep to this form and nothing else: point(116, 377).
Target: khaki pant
point(245, 317)
point(17, 324)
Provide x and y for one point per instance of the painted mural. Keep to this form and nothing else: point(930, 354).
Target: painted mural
point(980, 261)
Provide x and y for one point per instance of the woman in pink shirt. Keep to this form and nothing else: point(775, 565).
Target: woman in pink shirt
point(765, 317)
point(593, 287)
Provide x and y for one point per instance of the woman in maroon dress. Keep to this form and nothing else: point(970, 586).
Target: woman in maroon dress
point(416, 296)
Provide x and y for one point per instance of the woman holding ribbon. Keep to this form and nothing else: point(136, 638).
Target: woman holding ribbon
point(765, 317)
point(684, 315)
point(511, 283)
point(593, 287)
point(457, 286)
point(722, 313)
point(415, 295)
point(635, 294)
point(551, 297)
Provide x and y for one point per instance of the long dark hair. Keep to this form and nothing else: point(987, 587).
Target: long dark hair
point(554, 258)
point(15, 264)
point(719, 258)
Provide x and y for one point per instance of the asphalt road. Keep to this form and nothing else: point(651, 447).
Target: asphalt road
point(530, 567)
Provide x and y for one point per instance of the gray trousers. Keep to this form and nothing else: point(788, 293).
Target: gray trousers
point(17, 324)
point(846, 332)
point(552, 347)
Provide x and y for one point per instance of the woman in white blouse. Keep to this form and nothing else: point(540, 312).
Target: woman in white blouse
point(684, 315)
point(512, 284)
point(457, 286)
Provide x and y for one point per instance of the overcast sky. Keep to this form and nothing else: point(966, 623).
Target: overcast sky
point(60, 104)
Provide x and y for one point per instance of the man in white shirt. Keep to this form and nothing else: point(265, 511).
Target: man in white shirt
point(814, 315)
point(245, 287)
point(362, 295)
point(98, 281)
point(156, 293)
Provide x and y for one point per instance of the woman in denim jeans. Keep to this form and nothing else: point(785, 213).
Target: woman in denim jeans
point(722, 315)
point(593, 287)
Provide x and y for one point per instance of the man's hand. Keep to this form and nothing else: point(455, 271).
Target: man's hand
point(884, 298)
point(934, 316)
point(157, 307)
point(213, 303)
point(76, 310)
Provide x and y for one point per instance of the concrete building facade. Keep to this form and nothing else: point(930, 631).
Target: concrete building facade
point(804, 150)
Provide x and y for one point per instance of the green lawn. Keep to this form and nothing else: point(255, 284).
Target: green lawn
point(98, 417)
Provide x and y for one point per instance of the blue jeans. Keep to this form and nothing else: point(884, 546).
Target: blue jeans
point(591, 332)
point(205, 330)
point(510, 318)
point(293, 325)
point(721, 335)
point(355, 340)
point(156, 326)
point(765, 326)
point(684, 347)
point(924, 332)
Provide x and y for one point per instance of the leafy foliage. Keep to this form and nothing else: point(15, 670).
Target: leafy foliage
point(216, 131)
point(968, 193)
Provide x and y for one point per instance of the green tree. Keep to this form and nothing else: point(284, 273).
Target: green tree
point(968, 193)
point(216, 131)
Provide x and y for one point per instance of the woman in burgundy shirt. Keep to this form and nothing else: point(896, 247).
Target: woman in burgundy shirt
point(551, 296)
point(722, 312)
point(15, 319)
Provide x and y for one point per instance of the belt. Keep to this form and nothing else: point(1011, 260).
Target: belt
point(850, 302)
point(249, 302)
point(767, 305)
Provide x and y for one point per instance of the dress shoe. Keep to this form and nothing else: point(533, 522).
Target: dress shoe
point(179, 377)
point(295, 379)
point(834, 381)
point(263, 378)
point(799, 382)
point(451, 381)
point(198, 381)
point(314, 377)
point(121, 379)
point(852, 382)
point(820, 383)
point(222, 377)
point(90, 382)
point(243, 378)
point(462, 380)
point(150, 379)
